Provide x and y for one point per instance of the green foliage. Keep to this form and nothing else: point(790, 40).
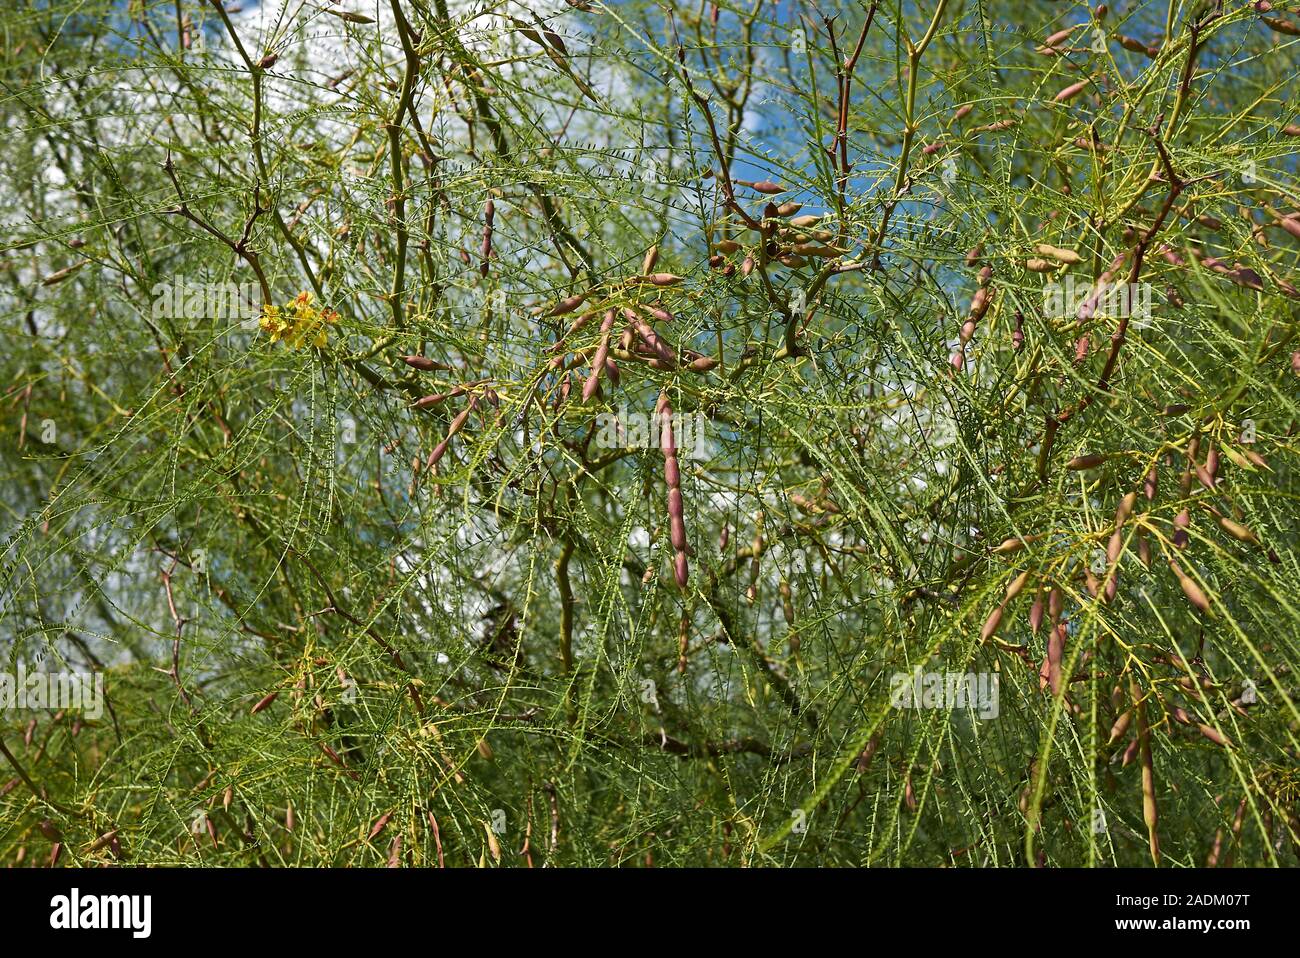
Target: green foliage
point(318, 602)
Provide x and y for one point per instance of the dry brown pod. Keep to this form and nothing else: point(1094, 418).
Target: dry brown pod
point(1089, 461)
point(1190, 589)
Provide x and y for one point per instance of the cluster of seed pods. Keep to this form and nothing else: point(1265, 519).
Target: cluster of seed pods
point(638, 340)
point(474, 390)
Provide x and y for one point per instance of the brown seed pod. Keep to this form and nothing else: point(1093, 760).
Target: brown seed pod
point(568, 305)
point(1017, 585)
point(424, 364)
point(1182, 522)
point(672, 478)
point(962, 112)
point(1036, 612)
point(440, 450)
point(1120, 727)
point(651, 257)
point(378, 826)
point(602, 353)
point(1090, 461)
point(1214, 735)
point(1278, 25)
point(1238, 531)
point(485, 254)
point(1150, 813)
point(788, 209)
point(658, 279)
point(973, 255)
point(1060, 36)
point(1134, 45)
point(992, 622)
point(1190, 589)
point(1055, 655)
point(1068, 256)
point(766, 186)
point(264, 702)
point(1070, 91)
point(979, 303)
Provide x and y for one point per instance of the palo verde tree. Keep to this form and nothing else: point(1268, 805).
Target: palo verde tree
point(593, 433)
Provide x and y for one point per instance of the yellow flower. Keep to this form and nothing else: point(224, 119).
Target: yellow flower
point(297, 322)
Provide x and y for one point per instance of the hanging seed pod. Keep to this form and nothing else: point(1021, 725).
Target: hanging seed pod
point(1149, 484)
point(1017, 585)
point(424, 364)
point(672, 478)
point(788, 209)
point(489, 213)
point(1278, 25)
point(1238, 531)
point(683, 636)
point(973, 255)
point(1067, 256)
point(1190, 589)
point(1036, 265)
point(727, 246)
point(227, 797)
point(992, 622)
point(657, 279)
point(1036, 612)
point(1150, 813)
point(1018, 334)
point(651, 257)
point(349, 16)
point(61, 275)
point(378, 826)
point(1055, 655)
point(264, 702)
point(1182, 522)
point(568, 305)
point(764, 186)
point(1144, 548)
point(440, 450)
point(602, 353)
point(1134, 45)
point(1121, 516)
point(1089, 461)
point(805, 221)
point(962, 112)
point(1118, 730)
point(979, 303)
point(1215, 736)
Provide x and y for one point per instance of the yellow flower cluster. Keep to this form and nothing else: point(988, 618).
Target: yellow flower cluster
point(298, 322)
